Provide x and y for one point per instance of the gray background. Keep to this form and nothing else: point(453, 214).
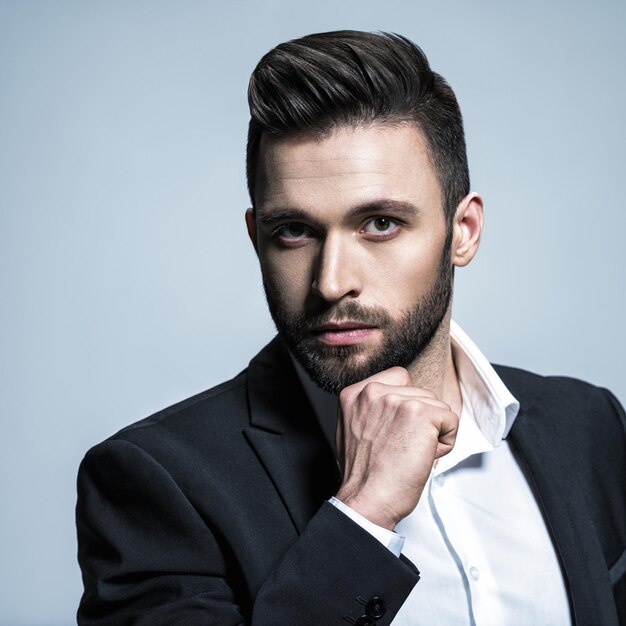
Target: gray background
point(127, 279)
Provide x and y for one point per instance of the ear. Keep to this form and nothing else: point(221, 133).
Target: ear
point(251, 226)
point(467, 229)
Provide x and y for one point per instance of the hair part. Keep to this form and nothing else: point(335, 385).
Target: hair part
point(322, 82)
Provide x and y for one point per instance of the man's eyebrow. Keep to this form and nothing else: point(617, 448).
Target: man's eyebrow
point(269, 217)
point(384, 206)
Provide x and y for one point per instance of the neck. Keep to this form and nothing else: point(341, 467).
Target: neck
point(434, 368)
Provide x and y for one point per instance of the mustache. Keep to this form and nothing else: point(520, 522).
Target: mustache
point(351, 310)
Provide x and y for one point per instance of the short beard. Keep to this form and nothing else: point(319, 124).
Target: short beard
point(334, 367)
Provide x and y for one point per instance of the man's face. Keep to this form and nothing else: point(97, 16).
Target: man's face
point(351, 237)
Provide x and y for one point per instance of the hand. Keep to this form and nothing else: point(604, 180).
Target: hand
point(389, 434)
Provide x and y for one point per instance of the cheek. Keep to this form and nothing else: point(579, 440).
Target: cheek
point(288, 277)
point(406, 274)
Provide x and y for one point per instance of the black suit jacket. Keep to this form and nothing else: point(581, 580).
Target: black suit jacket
point(213, 511)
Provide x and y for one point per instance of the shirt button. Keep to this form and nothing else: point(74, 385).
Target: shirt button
point(440, 480)
point(474, 573)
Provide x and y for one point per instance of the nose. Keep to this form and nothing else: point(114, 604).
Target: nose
point(337, 270)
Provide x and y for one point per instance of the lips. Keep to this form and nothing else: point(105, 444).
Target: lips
point(344, 333)
point(341, 326)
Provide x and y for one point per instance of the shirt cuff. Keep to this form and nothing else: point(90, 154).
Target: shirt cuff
point(391, 540)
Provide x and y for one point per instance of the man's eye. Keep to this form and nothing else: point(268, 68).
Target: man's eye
point(381, 226)
point(292, 230)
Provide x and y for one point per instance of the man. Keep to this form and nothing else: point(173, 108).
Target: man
point(446, 492)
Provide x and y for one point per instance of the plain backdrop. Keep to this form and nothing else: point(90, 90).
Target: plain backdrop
point(127, 280)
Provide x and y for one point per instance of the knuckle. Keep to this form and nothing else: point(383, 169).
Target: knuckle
point(414, 407)
point(402, 374)
point(345, 395)
point(371, 392)
point(392, 400)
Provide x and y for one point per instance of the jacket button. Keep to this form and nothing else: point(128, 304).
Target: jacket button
point(365, 620)
point(376, 607)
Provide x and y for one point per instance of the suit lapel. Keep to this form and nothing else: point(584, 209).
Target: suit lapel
point(286, 437)
point(552, 474)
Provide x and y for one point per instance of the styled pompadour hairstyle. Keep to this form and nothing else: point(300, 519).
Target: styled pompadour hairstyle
point(321, 82)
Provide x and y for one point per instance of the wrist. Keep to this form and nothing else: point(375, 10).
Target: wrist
point(368, 508)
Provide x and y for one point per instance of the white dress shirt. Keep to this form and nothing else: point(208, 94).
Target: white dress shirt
point(477, 534)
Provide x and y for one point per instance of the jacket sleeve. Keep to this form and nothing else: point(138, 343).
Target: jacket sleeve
point(617, 572)
point(148, 557)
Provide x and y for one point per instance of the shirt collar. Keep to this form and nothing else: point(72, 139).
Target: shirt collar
point(493, 405)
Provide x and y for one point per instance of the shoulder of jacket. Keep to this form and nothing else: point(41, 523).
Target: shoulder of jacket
point(227, 397)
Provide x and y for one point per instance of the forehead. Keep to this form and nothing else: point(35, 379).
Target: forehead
point(346, 167)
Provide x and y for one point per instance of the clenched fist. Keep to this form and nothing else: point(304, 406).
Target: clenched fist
point(389, 434)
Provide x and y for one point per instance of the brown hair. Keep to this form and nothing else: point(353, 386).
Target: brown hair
point(321, 82)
